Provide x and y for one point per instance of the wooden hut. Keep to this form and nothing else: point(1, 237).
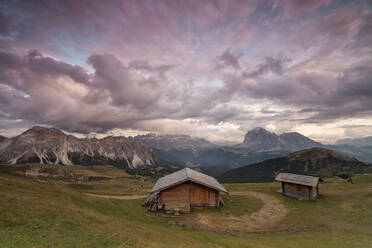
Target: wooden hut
point(299, 186)
point(184, 189)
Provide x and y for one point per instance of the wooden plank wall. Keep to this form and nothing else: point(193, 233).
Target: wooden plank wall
point(179, 192)
point(175, 197)
point(198, 195)
point(189, 193)
point(297, 190)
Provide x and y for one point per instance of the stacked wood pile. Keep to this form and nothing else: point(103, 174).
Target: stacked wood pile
point(152, 202)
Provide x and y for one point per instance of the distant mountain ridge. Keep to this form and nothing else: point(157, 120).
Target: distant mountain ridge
point(168, 142)
point(358, 147)
point(363, 153)
point(315, 161)
point(176, 148)
point(366, 141)
point(52, 146)
point(232, 157)
point(261, 140)
point(259, 144)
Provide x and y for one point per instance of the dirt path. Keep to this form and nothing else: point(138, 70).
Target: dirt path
point(122, 197)
point(270, 214)
point(264, 219)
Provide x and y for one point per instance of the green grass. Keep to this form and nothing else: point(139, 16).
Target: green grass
point(238, 205)
point(34, 214)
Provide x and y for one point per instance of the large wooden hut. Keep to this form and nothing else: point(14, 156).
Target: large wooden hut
point(184, 189)
point(299, 186)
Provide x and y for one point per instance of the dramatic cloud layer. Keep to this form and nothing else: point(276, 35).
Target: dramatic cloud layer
point(207, 68)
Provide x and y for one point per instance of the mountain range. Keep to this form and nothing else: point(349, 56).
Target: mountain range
point(169, 142)
point(315, 162)
point(359, 142)
point(52, 146)
point(258, 145)
point(176, 148)
point(359, 147)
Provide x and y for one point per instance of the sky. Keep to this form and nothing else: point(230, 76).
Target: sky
point(211, 69)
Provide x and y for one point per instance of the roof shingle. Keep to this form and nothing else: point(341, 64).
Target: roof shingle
point(184, 175)
point(297, 179)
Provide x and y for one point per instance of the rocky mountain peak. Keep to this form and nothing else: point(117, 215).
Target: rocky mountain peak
point(43, 131)
point(259, 139)
point(259, 130)
point(52, 146)
point(292, 141)
point(293, 134)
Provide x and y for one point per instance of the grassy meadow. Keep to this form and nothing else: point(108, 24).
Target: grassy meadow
point(59, 214)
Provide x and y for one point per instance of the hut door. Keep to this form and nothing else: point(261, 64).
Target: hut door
point(212, 198)
point(198, 195)
point(194, 194)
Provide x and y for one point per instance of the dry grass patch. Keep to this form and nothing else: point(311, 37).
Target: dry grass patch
point(235, 217)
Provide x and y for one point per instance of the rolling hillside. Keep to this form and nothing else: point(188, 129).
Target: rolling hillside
point(316, 161)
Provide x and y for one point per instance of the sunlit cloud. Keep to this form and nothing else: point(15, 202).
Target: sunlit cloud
point(212, 69)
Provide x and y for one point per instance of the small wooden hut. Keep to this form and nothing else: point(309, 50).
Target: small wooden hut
point(299, 186)
point(184, 189)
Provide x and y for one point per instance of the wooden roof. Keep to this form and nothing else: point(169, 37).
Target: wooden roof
point(297, 179)
point(184, 175)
